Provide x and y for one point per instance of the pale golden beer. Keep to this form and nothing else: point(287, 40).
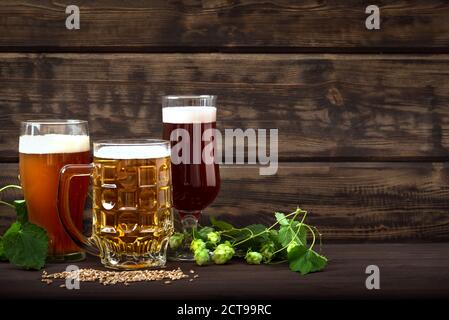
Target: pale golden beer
point(132, 202)
point(45, 146)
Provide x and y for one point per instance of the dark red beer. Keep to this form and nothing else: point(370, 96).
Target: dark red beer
point(196, 183)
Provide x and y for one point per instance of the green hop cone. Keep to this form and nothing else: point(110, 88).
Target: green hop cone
point(176, 240)
point(197, 244)
point(202, 257)
point(253, 257)
point(214, 237)
point(267, 251)
point(227, 247)
point(202, 233)
point(223, 253)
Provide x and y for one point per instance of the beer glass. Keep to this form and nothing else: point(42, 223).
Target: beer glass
point(45, 146)
point(189, 122)
point(132, 217)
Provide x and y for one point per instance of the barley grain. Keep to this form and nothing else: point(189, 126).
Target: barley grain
point(114, 277)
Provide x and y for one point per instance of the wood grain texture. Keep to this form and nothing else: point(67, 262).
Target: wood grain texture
point(408, 271)
point(351, 202)
point(347, 201)
point(338, 107)
point(136, 25)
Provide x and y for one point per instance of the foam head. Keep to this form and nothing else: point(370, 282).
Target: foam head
point(126, 152)
point(189, 114)
point(54, 143)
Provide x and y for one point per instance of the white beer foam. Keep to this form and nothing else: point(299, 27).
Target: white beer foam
point(189, 114)
point(125, 152)
point(54, 143)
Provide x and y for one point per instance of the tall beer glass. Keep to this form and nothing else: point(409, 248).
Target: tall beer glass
point(45, 146)
point(189, 122)
point(132, 216)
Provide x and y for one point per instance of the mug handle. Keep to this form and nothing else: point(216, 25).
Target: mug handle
point(65, 177)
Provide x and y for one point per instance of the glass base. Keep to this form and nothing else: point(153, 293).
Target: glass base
point(189, 224)
point(186, 256)
point(70, 257)
point(131, 262)
point(146, 254)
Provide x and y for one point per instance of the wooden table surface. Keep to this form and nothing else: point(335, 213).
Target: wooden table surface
point(406, 271)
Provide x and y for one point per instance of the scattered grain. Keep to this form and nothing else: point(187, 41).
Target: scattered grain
point(114, 277)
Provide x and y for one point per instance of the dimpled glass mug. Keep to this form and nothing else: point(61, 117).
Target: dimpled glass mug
point(132, 218)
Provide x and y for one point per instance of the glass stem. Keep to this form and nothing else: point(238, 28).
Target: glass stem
point(189, 225)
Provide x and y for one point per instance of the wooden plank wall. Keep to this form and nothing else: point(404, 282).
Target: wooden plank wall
point(363, 116)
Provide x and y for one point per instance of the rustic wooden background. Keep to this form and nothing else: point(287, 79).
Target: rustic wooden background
point(363, 116)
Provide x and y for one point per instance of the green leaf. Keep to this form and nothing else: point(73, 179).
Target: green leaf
point(256, 235)
point(2, 251)
point(21, 210)
point(274, 235)
point(221, 225)
point(248, 232)
point(11, 231)
point(280, 217)
point(284, 236)
point(296, 259)
point(304, 260)
point(318, 261)
point(288, 234)
point(26, 245)
point(14, 228)
point(257, 228)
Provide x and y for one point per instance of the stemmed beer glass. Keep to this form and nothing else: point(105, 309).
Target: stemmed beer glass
point(189, 122)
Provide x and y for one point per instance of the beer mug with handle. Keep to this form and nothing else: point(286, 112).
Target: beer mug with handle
point(45, 146)
point(132, 218)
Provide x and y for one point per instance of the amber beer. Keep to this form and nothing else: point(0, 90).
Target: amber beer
point(195, 185)
point(132, 202)
point(41, 158)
